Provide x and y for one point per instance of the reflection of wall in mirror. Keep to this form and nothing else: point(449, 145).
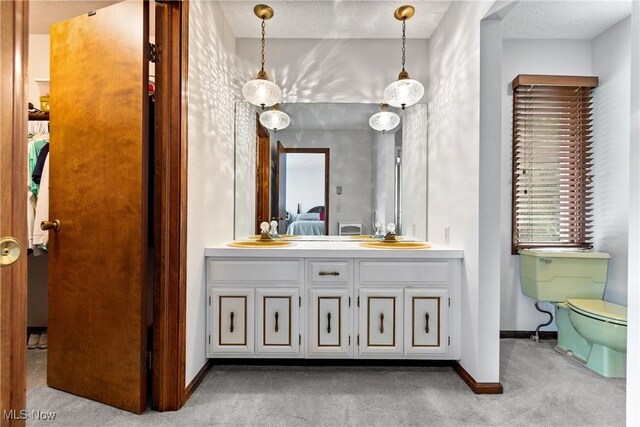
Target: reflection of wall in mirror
point(414, 172)
point(350, 167)
point(383, 177)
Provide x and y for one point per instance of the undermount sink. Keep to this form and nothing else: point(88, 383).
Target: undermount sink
point(259, 243)
point(395, 244)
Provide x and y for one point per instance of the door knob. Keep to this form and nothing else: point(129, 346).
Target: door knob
point(50, 225)
point(10, 251)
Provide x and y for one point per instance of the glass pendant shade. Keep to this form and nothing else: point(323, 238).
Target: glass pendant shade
point(262, 92)
point(275, 120)
point(384, 121)
point(403, 93)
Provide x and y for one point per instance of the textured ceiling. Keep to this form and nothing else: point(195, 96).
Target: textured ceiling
point(44, 13)
point(334, 19)
point(583, 20)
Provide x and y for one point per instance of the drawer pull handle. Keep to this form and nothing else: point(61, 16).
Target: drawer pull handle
point(329, 273)
point(382, 323)
point(328, 323)
point(231, 317)
point(276, 328)
point(426, 318)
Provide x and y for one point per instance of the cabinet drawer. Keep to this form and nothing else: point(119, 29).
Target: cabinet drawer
point(404, 272)
point(263, 272)
point(336, 272)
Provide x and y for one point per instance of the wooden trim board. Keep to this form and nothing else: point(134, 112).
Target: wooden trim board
point(197, 380)
point(476, 387)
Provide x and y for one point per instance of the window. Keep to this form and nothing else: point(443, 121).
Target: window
point(552, 161)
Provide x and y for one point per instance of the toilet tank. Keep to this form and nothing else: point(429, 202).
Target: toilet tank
point(554, 275)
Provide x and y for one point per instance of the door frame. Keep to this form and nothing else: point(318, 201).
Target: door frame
point(14, 17)
point(169, 288)
point(327, 172)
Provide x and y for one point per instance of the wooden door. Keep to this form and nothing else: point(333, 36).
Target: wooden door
point(13, 219)
point(98, 191)
point(278, 321)
point(380, 321)
point(329, 323)
point(281, 170)
point(263, 176)
point(425, 319)
point(231, 320)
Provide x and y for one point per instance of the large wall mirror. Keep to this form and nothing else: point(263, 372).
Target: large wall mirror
point(329, 173)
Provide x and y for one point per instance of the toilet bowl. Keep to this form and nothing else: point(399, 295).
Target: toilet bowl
point(590, 330)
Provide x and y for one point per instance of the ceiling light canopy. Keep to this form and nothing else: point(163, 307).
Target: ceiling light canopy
point(275, 119)
point(405, 91)
point(384, 120)
point(260, 91)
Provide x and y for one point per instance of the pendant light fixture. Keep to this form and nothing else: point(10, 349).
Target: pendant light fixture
point(275, 119)
point(260, 91)
point(384, 120)
point(404, 92)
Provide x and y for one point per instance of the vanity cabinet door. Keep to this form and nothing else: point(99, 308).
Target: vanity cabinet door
point(278, 321)
point(380, 321)
point(329, 322)
point(231, 320)
point(425, 321)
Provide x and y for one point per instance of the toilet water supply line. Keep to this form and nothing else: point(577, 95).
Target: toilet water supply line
point(536, 337)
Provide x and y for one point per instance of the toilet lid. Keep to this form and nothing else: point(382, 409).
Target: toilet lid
point(604, 310)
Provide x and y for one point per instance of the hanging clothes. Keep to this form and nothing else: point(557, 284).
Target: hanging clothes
point(37, 170)
point(41, 237)
point(34, 148)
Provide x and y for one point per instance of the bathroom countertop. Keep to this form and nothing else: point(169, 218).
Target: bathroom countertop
point(333, 249)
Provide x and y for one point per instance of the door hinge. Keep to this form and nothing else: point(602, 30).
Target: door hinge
point(449, 302)
point(358, 301)
point(299, 339)
point(209, 339)
point(358, 340)
point(209, 301)
point(349, 305)
point(299, 301)
point(153, 53)
point(149, 360)
point(349, 339)
point(449, 340)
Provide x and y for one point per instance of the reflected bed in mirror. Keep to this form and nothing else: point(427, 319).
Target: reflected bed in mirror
point(329, 173)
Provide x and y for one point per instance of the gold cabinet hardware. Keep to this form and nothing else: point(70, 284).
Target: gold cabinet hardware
point(50, 225)
point(10, 251)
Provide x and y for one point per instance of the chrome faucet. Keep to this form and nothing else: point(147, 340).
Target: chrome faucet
point(274, 229)
point(264, 231)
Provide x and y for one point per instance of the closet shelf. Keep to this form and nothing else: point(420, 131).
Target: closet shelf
point(39, 116)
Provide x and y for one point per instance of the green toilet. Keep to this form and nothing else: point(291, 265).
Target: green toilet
point(590, 330)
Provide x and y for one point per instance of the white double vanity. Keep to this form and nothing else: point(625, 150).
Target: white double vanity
point(333, 299)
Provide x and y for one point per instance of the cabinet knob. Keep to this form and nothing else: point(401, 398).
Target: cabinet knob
point(329, 273)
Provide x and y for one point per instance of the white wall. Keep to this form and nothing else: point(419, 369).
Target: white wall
point(305, 182)
point(245, 175)
point(414, 172)
point(563, 57)
point(350, 167)
point(333, 70)
point(210, 171)
point(383, 177)
point(633, 321)
point(611, 62)
point(38, 64)
point(453, 182)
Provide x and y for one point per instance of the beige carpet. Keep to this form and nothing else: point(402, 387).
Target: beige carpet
point(541, 387)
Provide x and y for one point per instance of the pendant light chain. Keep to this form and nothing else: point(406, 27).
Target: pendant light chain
point(263, 43)
point(404, 41)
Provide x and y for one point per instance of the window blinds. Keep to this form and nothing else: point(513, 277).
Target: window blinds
point(552, 149)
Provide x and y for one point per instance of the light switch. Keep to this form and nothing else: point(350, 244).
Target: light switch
point(339, 189)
